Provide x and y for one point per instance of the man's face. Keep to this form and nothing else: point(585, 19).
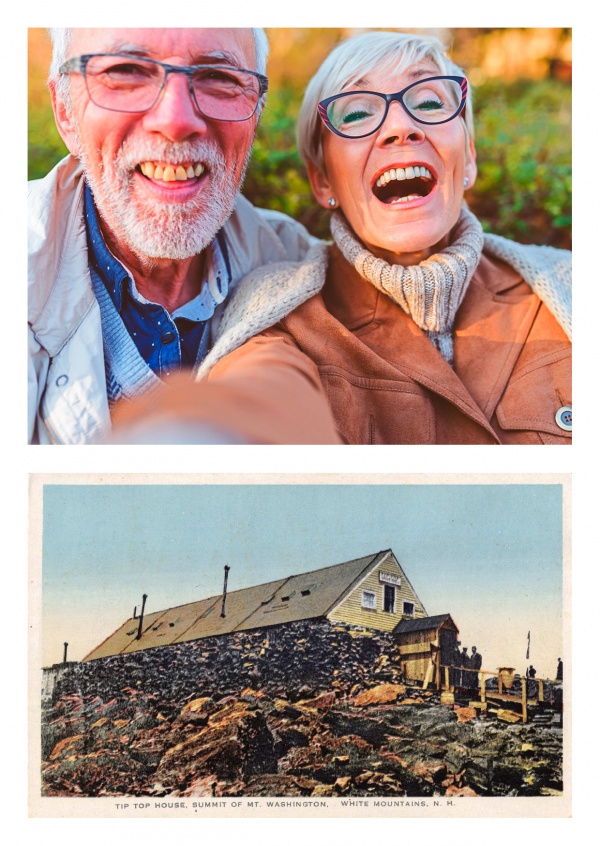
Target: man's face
point(152, 217)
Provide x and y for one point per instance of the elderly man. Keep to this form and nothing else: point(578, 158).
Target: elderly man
point(139, 236)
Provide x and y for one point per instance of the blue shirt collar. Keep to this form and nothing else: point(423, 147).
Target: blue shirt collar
point(115, 276)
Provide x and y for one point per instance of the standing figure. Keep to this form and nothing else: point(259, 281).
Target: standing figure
point(455, 662)
point(464, 663)
point(476, 661)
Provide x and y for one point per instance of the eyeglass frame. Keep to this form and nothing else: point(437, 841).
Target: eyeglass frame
point(79, 65)
point(391, 98)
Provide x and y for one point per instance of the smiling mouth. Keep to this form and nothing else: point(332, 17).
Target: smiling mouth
point(401, 185)
point(171, 172)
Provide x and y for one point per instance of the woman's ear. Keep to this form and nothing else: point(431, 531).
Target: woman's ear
point(320, 185)
point(64, 119)
point(470, 164)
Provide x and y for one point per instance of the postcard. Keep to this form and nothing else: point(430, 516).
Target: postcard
point(359, 645)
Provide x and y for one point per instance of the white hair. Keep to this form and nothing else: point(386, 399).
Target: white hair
point(61, 40)
point(357, 57)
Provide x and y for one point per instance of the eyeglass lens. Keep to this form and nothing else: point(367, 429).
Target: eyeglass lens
point(361, 113)
point(133, 85)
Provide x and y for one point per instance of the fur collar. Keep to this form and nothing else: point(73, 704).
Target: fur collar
point(269, 293)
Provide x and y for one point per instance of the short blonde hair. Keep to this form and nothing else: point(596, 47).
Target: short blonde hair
point(357, 57)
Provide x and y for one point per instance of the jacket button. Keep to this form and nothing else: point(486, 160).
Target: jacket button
point(564, 418)
point(62, 380)
point(168, 337)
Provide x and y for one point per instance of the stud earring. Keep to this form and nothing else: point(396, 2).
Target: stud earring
point(332, 202)
point(466, 182)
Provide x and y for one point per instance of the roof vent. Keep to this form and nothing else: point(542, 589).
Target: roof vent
point(305, 592)
point(226, 568)
point(139, 632)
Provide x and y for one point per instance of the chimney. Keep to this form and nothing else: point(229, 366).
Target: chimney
point(227, 568)
point(139, 634)
point(135, 612)
point(65, 653)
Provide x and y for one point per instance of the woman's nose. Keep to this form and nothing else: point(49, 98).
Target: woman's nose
point(399, 128)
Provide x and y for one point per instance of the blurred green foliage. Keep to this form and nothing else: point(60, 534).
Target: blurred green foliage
point(46, 147)
point(523, 141)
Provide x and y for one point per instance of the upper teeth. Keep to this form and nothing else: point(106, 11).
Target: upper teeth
point(171, 173)
point(403, 173)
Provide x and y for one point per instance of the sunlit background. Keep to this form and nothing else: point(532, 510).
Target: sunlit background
point(522, 84)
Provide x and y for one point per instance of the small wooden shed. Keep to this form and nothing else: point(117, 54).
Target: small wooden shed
point(426, 644)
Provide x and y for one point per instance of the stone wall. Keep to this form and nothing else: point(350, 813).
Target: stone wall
point(314, 653)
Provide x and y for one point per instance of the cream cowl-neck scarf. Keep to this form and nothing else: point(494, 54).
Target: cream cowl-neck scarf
point(430, 292)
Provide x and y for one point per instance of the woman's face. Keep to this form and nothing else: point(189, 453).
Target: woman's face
point(395, 228)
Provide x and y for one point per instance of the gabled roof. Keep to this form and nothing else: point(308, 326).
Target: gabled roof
point(300, 597)
point(424, 623)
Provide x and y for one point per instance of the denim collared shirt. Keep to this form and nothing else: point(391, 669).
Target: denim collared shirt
point(165, 341)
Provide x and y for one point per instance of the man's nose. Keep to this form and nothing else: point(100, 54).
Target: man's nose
point(399, 127)
point(175, 114)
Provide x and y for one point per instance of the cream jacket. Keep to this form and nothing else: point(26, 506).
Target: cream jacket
point(66, 378)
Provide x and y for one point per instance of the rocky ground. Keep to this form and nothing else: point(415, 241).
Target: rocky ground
point(311, 710)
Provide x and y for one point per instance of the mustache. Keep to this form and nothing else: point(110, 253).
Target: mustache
point(175, 152)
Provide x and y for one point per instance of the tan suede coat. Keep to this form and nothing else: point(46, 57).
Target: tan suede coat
point(387, 384)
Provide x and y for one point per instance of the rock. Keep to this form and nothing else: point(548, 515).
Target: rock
point(323, 702)
point(68, 746)
point(341, 785)
point(379, 695)
point(236, 742)
point(460, 791)
point(196, 705)
point(465, 714)
point(318, 713)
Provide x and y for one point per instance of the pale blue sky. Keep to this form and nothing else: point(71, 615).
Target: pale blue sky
point(491, 555)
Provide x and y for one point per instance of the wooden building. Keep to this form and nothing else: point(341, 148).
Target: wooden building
point(426, 645)
point(373, 592)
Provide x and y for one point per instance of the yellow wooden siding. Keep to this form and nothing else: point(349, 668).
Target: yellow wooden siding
point(350, 610)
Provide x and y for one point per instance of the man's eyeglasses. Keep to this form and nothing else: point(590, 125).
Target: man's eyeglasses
point(123, 82)
point(356, 114)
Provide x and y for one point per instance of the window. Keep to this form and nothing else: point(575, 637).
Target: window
point(408, 609)
point(369, 600)
point(389, 599)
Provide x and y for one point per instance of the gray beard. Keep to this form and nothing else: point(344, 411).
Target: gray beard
point(163, 230)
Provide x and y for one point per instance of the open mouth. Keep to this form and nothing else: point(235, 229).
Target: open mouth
point(401, 185)
point(171, 172)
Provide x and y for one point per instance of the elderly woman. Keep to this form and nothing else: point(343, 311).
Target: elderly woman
point(421, 329)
